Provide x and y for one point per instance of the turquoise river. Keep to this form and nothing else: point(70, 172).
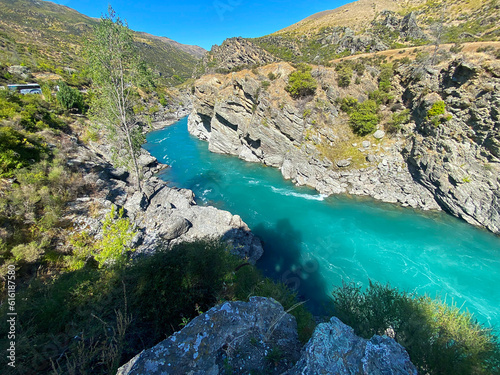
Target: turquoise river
point(312, 242)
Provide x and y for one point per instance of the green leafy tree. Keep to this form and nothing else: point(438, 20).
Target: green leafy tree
point(69, 97)
point(116, 71)
point(301, 83)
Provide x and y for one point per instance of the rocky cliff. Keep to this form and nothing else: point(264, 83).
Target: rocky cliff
point(234, 54)
point(445, 160)
point(260, 337)
point(163, 215)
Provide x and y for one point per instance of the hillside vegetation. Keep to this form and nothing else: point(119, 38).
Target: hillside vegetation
point(48, 37)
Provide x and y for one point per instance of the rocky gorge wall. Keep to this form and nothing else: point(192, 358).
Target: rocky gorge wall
point(448, 162)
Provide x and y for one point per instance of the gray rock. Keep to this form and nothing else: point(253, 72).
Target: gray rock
point(335, 349)
point(366, 144)
point(234, 335)
point(145, 160)
point(343, 163)
point(379, 134)
point(174, 227)
point(138, 202)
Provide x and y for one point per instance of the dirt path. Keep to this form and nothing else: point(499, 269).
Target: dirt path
point(412, 51)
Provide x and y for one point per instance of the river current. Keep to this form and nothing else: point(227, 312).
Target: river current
point(313, 242)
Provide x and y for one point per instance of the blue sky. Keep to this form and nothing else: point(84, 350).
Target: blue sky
point(206, 22)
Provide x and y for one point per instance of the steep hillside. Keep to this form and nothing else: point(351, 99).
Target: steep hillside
point(49, 37)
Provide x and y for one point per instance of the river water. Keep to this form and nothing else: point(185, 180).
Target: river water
point(313, 243)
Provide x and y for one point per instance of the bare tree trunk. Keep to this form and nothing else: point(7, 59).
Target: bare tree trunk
point(134, 159)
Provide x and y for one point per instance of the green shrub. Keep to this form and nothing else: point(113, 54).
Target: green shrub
point(439, 338)
point(265, 84)
point(117, 234)
point(344, 75)
point(69, 97)
point(271, 76)
point(88, 312)
point(301, 83)
point(397, 120)
point(437, 109)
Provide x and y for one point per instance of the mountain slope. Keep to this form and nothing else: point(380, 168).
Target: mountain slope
point(48, 36)
point(377, 25)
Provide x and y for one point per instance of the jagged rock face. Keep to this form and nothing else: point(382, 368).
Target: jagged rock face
point(451, 161)
point(234, 53)
point(166, 216)
point(457, 157)
point(335, 349)
point(237, 116)
point(171, 216)
point(234, 337)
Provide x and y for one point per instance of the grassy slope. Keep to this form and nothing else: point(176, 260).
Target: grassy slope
point(462, 20)
point(48, 36)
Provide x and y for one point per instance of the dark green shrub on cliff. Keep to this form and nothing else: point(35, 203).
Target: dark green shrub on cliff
point(69, 97)
point(363, 117)
point(344, 75)
point(439, 338)
point(301, 83)
point(95, 319)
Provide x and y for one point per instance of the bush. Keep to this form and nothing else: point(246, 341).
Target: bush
point(344, 75)
point(439, 338)
point(117, 234)
point(69, 97)
point(99, 318)
point(437, 109)
point(301, 83)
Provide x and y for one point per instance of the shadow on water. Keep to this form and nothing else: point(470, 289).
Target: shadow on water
point(284, 261)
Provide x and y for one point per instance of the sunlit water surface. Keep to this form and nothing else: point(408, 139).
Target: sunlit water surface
point(313, 243)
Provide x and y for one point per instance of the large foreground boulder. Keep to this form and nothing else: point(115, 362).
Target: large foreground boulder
point(235, 337)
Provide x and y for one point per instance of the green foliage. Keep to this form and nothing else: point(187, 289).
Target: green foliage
point(440, 339)
point(265, 84)
point(437, 109)
point(69, 97)
point(117, 234)
point(363, 117)
point(397, 120)
point(149, 298)
point(116, 72)
point(301, 83)
point(344, 75)
point(271, 76)
point(17, 150)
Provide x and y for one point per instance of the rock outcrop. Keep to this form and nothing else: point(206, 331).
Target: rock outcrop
point(260, 337)
point(235, 53)
point(163, 216)
point(335, 349)
point(235, 337)
point(456, 154)
point(450, 161)
point(236, 116)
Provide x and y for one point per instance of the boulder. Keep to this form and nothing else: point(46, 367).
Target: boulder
point(234, 335)
point(335, 349)
point(343, 163)
point(379, 134)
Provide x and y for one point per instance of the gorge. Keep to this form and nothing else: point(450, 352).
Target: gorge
point(312, 242)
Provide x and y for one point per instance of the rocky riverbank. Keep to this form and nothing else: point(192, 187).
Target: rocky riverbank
point(446, 161)
point(163, 215)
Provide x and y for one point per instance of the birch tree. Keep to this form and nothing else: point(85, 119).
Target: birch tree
point(115, 70)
